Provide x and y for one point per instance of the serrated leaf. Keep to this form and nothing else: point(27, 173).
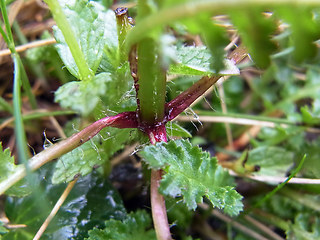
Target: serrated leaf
point(82, 96)
point(8, 167)
point(193, 174)
point(135, 226)
point(79, 161)
point(273, 161)
point(94, 27)
point(197, 61)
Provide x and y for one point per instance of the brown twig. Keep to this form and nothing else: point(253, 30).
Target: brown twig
point(27, 46)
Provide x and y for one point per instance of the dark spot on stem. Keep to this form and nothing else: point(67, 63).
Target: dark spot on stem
point(121, 11)
point(76, 176)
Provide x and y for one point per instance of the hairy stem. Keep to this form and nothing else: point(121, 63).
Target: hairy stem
point(186, 98)
point(122, 120)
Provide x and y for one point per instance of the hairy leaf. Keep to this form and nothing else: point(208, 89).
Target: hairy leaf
point(197, 61)
point(7, 167)
point(79, 161)
point(94, 27)
point(193, 174)
point(82, 96)
point(135, 226)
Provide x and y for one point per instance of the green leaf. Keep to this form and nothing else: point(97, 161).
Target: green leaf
point(273, 161)
point(135, 226)
point(193, 174)
point(115, 139)
point(79, 161)
point(311, 167)
point(305, 227)
point(7, 168)
point(82, 96)
point(256, 31)
point(91, 202)
point(197, 61)
point(175, 130)
point(94, 27)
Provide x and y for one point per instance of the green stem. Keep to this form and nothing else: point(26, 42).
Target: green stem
point(10, 41)
point(19, 128)
point(4, 35)
point(123, 26)
point(36, 68)
point(27, 87)
point(192, 8)
point(152, 83)
point(270, 194)
point(65, 27)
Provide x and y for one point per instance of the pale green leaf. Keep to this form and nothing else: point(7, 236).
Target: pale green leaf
point(273, 161)
point(7, 168)
point(82, 96)
point(197, 61)
point(135, 226)
point(94, 27)
point(193, 174)
point(79, 161)
point(175, 130)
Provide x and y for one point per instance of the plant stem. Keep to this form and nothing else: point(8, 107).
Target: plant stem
point(186, 98)
point(159, 211)
point(158, 206)
point(122, 120)
point(7, 37)
point(276, 189)
point(10, 42)
point(18, 122)
point(152, 83)
point(65, 27)
point(123, 26)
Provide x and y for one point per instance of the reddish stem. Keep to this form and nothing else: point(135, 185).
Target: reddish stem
point(185, 99)
point(158, 206)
